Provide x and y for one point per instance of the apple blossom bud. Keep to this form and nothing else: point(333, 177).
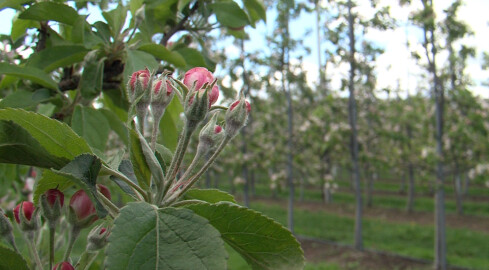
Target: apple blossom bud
point(82, 212)
point(196, 77)
point(51, 204)
point(196, 107)
point(161, 96)
point(236, 116)
point(97, 238)
point(25, 216)
point(63, 266)
point(139, 86)
point(210, 136)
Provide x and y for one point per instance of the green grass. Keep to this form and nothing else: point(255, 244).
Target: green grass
point(465, 248)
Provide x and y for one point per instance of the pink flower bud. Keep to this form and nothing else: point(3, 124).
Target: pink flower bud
point(213, 95)
point(141, 75)
point(217, 129)
point(27, 209)
point(157, 87)
point(63, 266)
point(97, 238)
point(236, 116)
point(53, 194)
point(82, 207)
point(248, 106)
point(198, 76)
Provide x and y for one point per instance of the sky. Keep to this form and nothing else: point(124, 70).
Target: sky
point(395, 67)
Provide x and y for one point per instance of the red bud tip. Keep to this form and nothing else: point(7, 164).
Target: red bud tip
point(27, 208)
point(63, 266)
point(217, 129)
point(52, 194)
point(248, 106)
point(157, 87)
point(104, 190)
point(83, 206)
point(142, 75)
point(102, 230)
point(213, 95)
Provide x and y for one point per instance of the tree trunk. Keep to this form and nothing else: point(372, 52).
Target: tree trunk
point(352, 115)
point(252, 182)
point(440, 230)
point(286, 90)
point(402, 186)
point(369, 185)
point(457, 187)
point(466, 183)
point(410, 199)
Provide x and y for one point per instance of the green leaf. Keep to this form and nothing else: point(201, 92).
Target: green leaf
point(161, 52)
point(50, 11)
point(164, 156)
point(78, 30)
point(34, 74)
point(137, 60)
point(209, 195)
point(192, 57)
point(140, 167)
point(116, 125)
point(228, 13)
point(25, 99)
point(116, 19)
point(91, 82)
point(52, 58)
point(11, 260)
point(54, 136)
point(115, 101)
point(15, 4)
point(145, 237)
point(169, 124)
point(126, 169)
point(151, 160)
point(91, 125)
point(83, 171)
point(262, 242)
point(134, 5)
point(256, 9)
point(182, 4)
point(50, 180)
point(19, 28)
point(17, 146)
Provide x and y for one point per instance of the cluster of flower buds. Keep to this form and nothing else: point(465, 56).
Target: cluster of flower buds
point(198, 92)
point(145, 89)
point(81, 214)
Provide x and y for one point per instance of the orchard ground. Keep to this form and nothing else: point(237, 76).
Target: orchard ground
point(393, 238)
